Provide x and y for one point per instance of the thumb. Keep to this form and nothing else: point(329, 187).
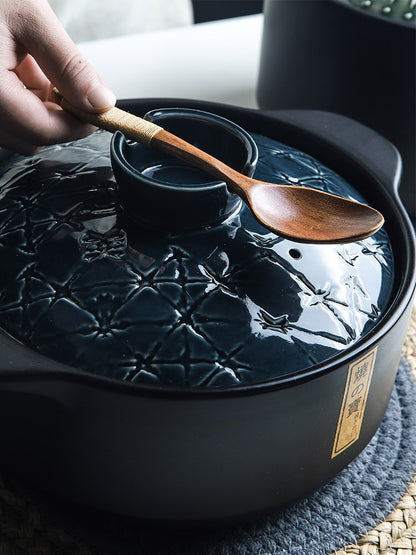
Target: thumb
point(43, 36)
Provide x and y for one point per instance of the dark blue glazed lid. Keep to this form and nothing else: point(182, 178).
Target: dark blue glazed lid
point(227, 305)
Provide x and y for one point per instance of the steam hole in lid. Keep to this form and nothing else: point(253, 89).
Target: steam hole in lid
point(295, 253)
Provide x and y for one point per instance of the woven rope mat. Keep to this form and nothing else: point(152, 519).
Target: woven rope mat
point(37, 527)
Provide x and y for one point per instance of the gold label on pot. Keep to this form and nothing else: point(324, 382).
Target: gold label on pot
point(353, 404)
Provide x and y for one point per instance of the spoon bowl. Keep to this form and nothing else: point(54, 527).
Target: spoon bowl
point(349, 219)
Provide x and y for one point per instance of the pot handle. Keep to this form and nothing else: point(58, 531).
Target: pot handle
point(353, 139)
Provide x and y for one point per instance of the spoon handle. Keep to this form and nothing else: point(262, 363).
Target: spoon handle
point(178, 148)
point(134, 128)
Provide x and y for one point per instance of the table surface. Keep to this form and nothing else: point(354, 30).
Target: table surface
point(216, 61)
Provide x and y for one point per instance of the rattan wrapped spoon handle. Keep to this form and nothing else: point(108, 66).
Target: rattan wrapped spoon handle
point(134, 128)
point(298, 213)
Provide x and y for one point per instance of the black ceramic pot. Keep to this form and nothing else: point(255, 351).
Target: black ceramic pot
point(207, 454)
point(332, 55)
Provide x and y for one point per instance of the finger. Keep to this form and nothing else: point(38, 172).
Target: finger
point(11, 142)
point(33, 121)
point(43, 36)
point(33, 77)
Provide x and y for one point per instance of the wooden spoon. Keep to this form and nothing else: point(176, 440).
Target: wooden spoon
point(298, 213)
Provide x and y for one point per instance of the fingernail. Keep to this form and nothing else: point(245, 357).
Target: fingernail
point(101, 97)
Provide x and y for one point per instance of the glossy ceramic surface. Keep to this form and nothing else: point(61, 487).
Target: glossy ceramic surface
point(227, 305)
point(161, 192)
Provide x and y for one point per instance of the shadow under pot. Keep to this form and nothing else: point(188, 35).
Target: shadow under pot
point(160, 192)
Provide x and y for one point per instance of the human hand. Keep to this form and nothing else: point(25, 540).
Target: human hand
point(36, 52)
